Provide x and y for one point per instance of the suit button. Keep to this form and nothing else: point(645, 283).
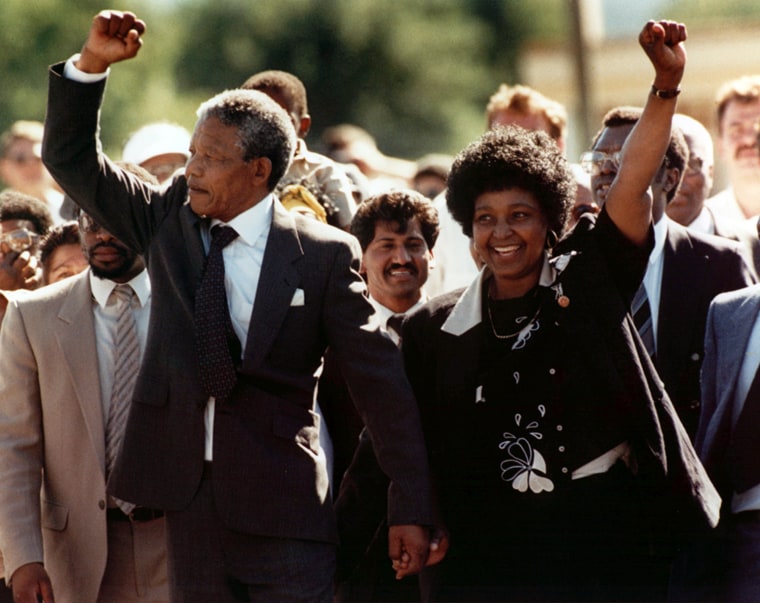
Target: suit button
point(101, 504)
point(694, 404)
point(695, 357)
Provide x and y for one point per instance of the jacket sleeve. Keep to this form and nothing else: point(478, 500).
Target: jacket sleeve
point(372, 366)
point(21, 446)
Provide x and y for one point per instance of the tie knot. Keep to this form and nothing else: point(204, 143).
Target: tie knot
point(221, 236)
point(122, 293)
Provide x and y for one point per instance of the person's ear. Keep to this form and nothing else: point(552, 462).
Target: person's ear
point(261, 168)
point(304, 126)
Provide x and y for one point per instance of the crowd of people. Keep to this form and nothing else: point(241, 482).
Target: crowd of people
point(236, 369)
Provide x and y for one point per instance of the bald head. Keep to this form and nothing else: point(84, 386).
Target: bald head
point(698, 177)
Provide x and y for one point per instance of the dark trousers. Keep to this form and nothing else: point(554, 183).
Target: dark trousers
point(210, 563)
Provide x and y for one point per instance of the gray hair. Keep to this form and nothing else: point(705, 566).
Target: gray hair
point(264, 129)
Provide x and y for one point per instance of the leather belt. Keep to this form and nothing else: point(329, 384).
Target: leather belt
point(137, 514)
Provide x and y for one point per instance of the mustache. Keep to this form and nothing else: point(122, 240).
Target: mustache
point(120, 248)
point(410, 267)
point(746, 147)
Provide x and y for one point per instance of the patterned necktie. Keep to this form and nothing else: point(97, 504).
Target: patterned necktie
point(642, 318)
point(126, 367)
point(743, 454)
point(216, 342)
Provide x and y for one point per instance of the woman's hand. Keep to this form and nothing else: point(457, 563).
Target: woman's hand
point(663, 43)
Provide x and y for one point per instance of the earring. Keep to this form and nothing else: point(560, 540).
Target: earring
point(551, 239)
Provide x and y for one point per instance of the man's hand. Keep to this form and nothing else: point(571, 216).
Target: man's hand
point(19, 271)
point(663, 43)
point(31, 584)
point(408, 549)
point(114, 36)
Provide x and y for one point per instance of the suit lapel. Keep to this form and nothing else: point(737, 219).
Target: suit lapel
point(735, 338)
point(190, 224)
point(277, 283)
point(74, 331)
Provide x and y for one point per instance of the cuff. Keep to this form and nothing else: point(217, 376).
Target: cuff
point(72, 73)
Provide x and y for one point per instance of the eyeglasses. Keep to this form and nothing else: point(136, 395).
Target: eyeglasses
point(19, 240)
point(592, 161)
point(87, 224)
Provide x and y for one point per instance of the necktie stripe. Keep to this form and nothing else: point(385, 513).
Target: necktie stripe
point(126, 367)
point(642, 318)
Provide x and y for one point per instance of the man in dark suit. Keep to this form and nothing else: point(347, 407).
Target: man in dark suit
point(222, 433)
point(686, 269)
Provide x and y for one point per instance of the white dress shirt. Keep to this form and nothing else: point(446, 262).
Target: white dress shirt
point(653, 276)
point(242, 268)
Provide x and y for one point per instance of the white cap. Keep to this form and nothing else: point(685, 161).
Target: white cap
point(154, 140)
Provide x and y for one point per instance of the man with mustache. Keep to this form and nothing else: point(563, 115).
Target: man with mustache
point(59, 529)
point(397, 232)
point(738, 118)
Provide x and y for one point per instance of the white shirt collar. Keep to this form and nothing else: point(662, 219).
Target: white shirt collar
point(102, 287)
point(250, 223)
point(384, 313)
point(467, 312)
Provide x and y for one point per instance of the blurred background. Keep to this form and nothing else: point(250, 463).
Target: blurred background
point(416, 74)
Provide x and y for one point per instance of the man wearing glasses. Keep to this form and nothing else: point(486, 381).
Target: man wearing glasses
point(23, 220)
point(686, 269)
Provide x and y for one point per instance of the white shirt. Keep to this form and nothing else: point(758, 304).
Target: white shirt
point(242, 268)
point(105, 318)
point(750, 499)
point(383, 313)
point(653, 276)
point(725, 205)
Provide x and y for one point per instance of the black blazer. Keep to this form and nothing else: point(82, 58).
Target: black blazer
point(268, 478)
point(696, 268)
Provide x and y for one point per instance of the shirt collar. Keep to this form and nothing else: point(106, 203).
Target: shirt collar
point(467, 312)
point(250, 223)
point(385, 313)
point(102, 287)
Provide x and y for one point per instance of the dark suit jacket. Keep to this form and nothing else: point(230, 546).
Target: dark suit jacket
point(696, 268)
point(268, 479)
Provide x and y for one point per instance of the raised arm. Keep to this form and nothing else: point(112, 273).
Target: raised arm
point(114, 36)
point(629, 202)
